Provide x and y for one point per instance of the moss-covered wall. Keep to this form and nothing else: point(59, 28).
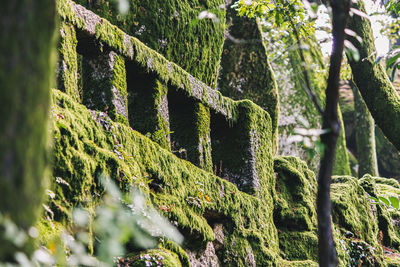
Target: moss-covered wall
point(295, 210)
point(172, 28)
point(245, 69)
point(88, 143)
point(249, 216)
point(240, 228)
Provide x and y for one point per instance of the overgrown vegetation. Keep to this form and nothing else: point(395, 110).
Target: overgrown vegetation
point(153, 166)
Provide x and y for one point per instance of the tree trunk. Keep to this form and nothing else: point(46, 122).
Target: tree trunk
point(376, 89)
point(27, 64)
point(326, 246)
point(365, 136)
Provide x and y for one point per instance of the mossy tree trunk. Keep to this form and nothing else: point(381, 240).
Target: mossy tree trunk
point(365, 137)
point(376, 89)
point(26, 42)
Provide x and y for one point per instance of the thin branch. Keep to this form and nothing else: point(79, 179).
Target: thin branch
point(326, 246)
point(307, 87)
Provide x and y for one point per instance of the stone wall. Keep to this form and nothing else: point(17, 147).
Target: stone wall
point(205, 161)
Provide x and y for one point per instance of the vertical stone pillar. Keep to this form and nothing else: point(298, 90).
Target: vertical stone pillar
point(246, 72)
point(67, 80)
point(104, 84)
point(203, 137)
point(148, 104)
point(190, 129)
point(242, 149)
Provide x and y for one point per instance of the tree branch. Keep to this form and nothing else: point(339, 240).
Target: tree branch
point(327, 251)
point(306, 88)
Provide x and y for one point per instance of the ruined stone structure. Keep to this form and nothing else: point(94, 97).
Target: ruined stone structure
point(136, 114)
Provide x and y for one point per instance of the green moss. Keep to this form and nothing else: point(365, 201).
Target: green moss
point(68, 65)
point(49, 232)
point(135, 50)
point(85, 147)
point(376, 89)
point(296, 190)
point(299, 245)
point(351, 209)
point(172, 28)
point(307, 263)
point(157, 257)
point(365, 137)
point(245, 69)
point(182, 255)
point(387, 217)
point(341, 163)
point(295, 211)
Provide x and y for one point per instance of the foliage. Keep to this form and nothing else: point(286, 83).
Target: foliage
point(121, 220)
point(392, 62)
point(282, 13)
point(361, 254)
point(390, 202)
point(393, 6)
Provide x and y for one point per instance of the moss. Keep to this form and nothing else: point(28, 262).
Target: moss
point(135, 50)
point(353, 164)
point(158, 257)
point(307, 263)
point(296, 190)
point(49, 232)
point(85, 147)
point(173, 29)
point(365, 137)
point(190, 127)
point(378, 92)
point(341, 163)
point(351, 209)
point(295, 211)
point(245, 69)
point(83, 151)
point(299, 245)
point(173, 247)
point(387, 218)
point(28, 41)
point(388, 156)
point(68, 64)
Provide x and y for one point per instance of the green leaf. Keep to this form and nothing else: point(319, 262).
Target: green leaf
point(392, 60)
point(374, 199)
point(392, 76)
point(395, 202)
point(384, 200)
